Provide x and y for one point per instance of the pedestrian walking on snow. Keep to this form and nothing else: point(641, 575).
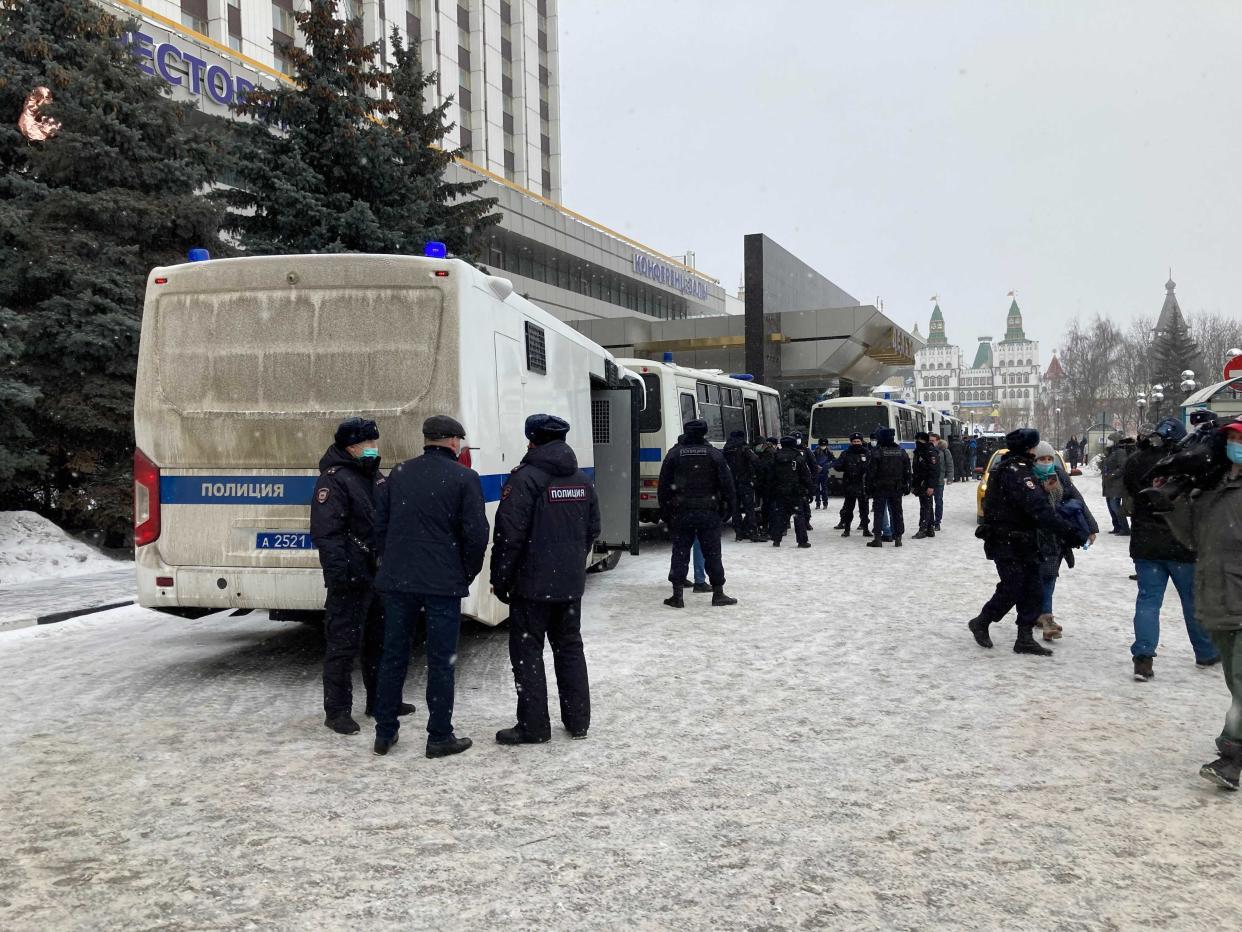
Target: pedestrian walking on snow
point(1053, 549)
point(1015, 509)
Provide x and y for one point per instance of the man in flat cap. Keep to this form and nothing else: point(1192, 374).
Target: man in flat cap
point(431, 531)
point(342, 527)
point(546, 524)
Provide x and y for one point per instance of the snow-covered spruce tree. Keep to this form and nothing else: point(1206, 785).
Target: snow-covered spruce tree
point(1172, 352)
point(340, 162)
point(84, 215)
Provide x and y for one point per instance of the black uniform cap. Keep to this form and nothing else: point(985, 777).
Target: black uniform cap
point(856, 436)
point(737, 434)
point(442, 427)
point(544, 428)
point(789, 441)
point(772, 439)
point(1021, 440)
point(695, 428)
point(355, 430)
point(922, 435)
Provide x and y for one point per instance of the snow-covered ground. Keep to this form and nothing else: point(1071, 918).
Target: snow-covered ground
point(833, 753)
point(32, 547)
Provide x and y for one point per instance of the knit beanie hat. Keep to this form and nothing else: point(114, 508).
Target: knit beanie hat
point(1043, 448)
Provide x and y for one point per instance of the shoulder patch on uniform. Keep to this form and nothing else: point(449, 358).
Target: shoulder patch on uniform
point(507, 490)
point(331, 470)
point(1030, 483)
point(322, 495)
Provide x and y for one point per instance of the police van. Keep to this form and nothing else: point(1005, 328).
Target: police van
point(676, 394)
point(246, 366)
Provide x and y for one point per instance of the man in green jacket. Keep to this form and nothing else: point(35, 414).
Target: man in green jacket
point(1217, 529)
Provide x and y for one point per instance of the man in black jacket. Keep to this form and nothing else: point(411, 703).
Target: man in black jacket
point(1015, 508)
point(925, 474)
point(789, 483)
point(1158, 556)
point(853, 464)
point(431, 531)
point(546, 524)
point(342, 526)
point(695, 489)
point(888, 479)
point(743, 464)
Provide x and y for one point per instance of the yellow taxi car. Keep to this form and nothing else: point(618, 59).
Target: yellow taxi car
point(982, 488)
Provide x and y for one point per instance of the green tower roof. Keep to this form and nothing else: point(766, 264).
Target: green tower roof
point(983, 357)
point(935, 330)
point(1013, 325)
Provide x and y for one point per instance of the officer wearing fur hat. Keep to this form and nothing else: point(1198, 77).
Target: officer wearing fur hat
point(431, 531)
point(343, 527)
point(696, 489)
point(546, 523)
point(1015, 509)
point(789, 483)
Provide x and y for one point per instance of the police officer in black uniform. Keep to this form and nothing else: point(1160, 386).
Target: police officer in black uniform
point(888, 479)
point(343, 528)
point(546, 524)
point(1014, 509)
point(808, 457)
point(743, 464)
point(853, 465)
point(431, 531)
point(789, 483)
point(925, 473)
point(695, 489)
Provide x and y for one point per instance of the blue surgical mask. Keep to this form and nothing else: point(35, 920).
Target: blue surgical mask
point(1234, 450)
point(370, 454)
point(1045, 470)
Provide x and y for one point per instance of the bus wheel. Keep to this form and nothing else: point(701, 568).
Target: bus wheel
point(608, 563)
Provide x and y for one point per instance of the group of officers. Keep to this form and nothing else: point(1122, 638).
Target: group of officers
point(406, 546)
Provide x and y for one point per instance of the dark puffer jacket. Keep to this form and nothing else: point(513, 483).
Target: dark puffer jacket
point(742, 460)
point(1216, 528)
point(430, 526)
point(889, 470)
point(790, 481)
point(853, 463)
point(695, 477)
point(342, 523)
point(546, 524)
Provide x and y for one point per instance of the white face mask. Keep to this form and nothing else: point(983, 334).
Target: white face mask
point(1107, 444)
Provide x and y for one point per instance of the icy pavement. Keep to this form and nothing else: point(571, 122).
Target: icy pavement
point(833, 753)
point(21, 605)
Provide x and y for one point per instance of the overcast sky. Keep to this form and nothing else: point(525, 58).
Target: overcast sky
point(1071, 151)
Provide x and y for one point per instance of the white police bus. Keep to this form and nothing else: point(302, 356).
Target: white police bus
point(246, 366)
point(677, 394)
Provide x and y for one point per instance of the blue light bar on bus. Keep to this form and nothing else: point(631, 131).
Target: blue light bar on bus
point(435, 250)
point(742, 376)
point(668, 356)
point(198, 254)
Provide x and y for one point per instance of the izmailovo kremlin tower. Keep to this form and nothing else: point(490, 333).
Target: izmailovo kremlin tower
point(996, 390)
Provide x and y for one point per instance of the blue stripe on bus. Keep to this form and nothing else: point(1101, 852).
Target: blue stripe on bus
point(274, 490)
point(650, 455)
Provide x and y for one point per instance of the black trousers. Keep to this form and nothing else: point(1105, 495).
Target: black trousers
point(353, 625)
point(847, 510)
point(1019, 586)
point(781, 511)
point(529, 622)
point(744, 522)
point(896, 519)
point(706, 526)
point(927, 510)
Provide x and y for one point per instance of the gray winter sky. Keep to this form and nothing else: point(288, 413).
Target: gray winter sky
point(1072, 151)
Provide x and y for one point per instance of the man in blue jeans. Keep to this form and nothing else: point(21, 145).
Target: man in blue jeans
point(431, 533)
point(1159, 557)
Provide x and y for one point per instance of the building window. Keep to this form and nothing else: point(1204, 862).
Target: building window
point(194, 15)
point(283, 20)
point(536, 352)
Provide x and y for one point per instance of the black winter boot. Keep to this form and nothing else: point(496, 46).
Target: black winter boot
point(1026, 643)
point(342, 724)
point(701, 587)
point(896, 541)
point(922, 533)
point(931, 532)
point(719, 597)
point(675, 601)
point(875, 542)
point(979, 628)
point(845, 533)
point(1143, 669)
point(866, 531)
point(1226, 769)
point(838, 526)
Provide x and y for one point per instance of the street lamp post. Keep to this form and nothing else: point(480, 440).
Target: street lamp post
point(1140, 402)
point(1157, 396)
point(1056, 427)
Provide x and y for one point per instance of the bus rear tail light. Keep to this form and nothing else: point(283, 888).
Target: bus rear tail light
point(651, 483)
point(146, 500)
point(464, 457)
point(164, 582)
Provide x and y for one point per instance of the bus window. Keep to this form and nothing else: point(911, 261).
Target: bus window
point(752, 421)
point(709, 402)
point(845, 420)
point(772, 415)
point(734, 419)
point(650, 418)
point(687, 410)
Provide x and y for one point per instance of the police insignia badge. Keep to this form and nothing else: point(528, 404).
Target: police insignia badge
point(1030, 483)
point(506, 491)
point(321, 496)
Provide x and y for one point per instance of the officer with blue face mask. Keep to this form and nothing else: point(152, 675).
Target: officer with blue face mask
point(342, 526)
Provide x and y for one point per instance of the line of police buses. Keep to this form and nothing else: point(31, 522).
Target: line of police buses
point(246, 366)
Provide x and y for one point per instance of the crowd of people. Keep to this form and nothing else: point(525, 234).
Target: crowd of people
point(416, 539)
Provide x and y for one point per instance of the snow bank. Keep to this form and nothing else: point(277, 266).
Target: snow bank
point(32, 547)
